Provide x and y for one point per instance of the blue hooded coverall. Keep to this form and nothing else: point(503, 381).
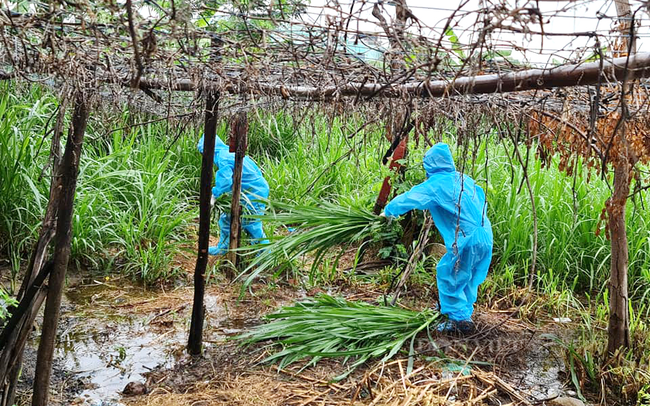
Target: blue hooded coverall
point(253, 187)
point(469, 252)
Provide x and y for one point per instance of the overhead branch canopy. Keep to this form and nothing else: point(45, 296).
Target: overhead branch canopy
point(298, 51)
point(370, 54)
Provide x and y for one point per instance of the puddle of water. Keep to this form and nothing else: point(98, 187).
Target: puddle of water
point(108, 352)
point(105, 349)
point(542, 378)
point(110, 359)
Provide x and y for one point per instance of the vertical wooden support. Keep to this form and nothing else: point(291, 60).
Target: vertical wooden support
point(625, 42)
point(239, 141)
point(618, 329)
point(15, 332)
point(49, 221)
point(195, 341)
point(12, 355)
point(619, 319)
point(68, 171)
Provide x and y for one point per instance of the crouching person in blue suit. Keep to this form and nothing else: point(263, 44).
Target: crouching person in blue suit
point(466, 231)
point(253, 187)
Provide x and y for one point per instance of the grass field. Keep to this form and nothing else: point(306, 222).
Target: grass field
point(137, 195)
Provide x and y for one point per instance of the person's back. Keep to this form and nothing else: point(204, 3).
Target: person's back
point(254, 187)
point(450, 189)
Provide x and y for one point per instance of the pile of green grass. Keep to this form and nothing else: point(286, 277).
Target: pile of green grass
point(318, 230)
point(329, 327)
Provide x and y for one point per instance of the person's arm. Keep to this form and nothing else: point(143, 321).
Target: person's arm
point(419, 197)
point(223, 181)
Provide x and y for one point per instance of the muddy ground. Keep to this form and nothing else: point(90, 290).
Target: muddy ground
point(113, 333)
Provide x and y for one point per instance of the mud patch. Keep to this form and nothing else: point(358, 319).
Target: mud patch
point(500, 365)
point(112, 333)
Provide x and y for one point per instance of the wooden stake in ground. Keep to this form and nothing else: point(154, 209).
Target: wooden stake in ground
point(195, 341)
point(624, 13)
point(618, 331)
point(619, 319)
point(16, 337)
point(239, 142)
point(69, 169)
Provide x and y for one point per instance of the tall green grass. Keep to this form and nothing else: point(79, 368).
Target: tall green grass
point(134, 196)
point(134, 202)
point(23, 194)
point(323, 166)
point(571, 255)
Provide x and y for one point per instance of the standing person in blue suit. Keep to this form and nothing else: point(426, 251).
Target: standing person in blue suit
point(253, 187)
point(458, 208)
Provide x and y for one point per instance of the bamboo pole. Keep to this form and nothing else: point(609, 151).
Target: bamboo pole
point(195, 341)
point(239, 134)
point(68, 171)
point(531, 79)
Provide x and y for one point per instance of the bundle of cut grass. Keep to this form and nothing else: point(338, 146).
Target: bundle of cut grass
point(319, 229)
point(328, 327)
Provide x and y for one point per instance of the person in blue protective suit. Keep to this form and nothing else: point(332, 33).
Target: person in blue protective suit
point(457, 206)
point(253, 188)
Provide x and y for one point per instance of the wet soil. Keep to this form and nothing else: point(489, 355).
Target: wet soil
point(113, 333)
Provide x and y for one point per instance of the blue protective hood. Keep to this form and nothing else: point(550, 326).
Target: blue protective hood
point(438, 159)
point(218, 144)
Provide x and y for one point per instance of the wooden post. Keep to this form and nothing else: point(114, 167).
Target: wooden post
point(12, 340)
point(618, 329)
point(11, 356)
point(17, 355)
point(619, 318)
point(195, 341)
point(621, 45)
point(49, 221)
point(239, 141)
point(68, 171)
